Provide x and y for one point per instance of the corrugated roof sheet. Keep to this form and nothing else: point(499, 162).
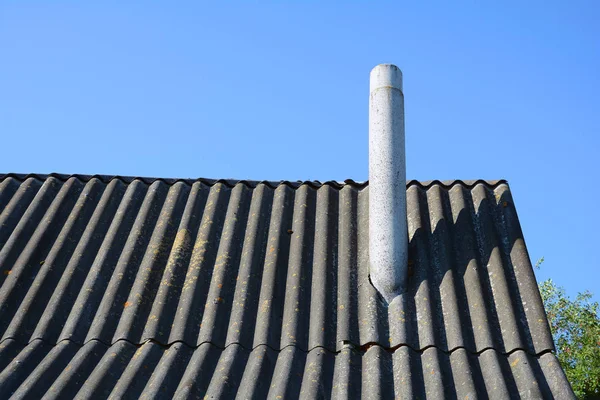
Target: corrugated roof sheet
point(221, 271)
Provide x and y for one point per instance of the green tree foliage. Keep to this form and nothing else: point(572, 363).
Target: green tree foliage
point(575, 326)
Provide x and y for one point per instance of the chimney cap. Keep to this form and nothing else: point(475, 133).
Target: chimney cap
point(386, 75)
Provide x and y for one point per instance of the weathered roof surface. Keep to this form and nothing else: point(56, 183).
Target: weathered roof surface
point(124, 286)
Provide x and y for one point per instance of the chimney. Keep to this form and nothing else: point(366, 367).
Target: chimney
point(388, 237)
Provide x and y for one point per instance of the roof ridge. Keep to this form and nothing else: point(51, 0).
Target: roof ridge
point(470, 183)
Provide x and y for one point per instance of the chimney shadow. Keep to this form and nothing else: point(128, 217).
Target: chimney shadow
point(470, 278)
point(461, 272)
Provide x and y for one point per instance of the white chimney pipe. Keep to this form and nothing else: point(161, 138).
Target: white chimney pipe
point(388, 237)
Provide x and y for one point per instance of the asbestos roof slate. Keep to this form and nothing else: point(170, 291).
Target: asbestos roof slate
point(229, 269)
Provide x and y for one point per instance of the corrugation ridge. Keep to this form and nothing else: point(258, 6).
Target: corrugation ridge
point(269, 317)
point(17, 205)
point(219, 300)
point(347, 324)
point(424, 281)
point(258, 372)
point(230, 369)
point(324, 286)
point(250, 183)
point(197, 374)
point(377, 374)
point(138, 372)
point(284, 382)
point(8, 188)
point(522, 278)
point(166, 375)
point(317, 380)
point(195, 290)
point(242, 320)
point(298, 285)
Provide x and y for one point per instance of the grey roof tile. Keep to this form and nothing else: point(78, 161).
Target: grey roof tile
point(275, 273)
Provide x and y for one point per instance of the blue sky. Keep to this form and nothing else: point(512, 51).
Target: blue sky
point(280, 91)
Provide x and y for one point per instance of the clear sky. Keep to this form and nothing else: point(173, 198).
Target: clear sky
point(280, 91)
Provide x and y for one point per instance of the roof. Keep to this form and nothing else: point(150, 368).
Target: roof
point(129, 287)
